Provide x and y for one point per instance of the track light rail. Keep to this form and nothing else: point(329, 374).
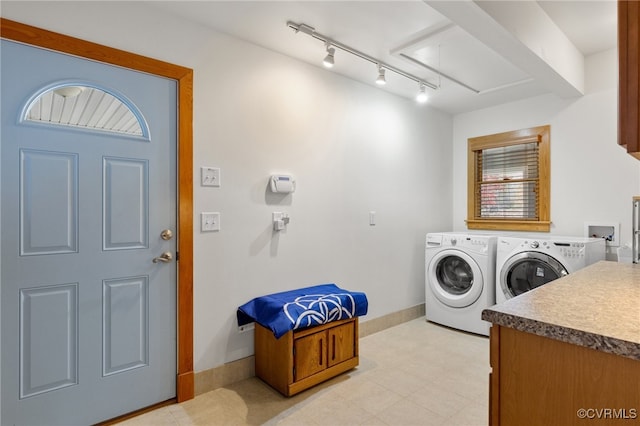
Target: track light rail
point(448, 77)
point(310, 31)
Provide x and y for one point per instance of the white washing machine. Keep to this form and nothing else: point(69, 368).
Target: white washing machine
point(524, 263)
point(460, 279)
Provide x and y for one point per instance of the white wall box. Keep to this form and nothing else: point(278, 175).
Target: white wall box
point(609, 231)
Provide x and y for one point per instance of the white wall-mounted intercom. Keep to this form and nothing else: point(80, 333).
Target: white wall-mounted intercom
point(282, 184)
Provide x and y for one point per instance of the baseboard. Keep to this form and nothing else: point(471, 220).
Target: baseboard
point(224, 375)
point(391, 320)
point(244, 368)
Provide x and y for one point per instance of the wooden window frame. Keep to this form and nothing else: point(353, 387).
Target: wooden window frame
point(541, 134)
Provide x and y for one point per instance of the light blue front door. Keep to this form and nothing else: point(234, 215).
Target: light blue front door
point(88, 319)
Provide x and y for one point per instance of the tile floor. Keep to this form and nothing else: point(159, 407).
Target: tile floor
point(416, 373)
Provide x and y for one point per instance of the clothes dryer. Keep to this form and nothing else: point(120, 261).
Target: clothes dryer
point(524, 263)
point(459, 279)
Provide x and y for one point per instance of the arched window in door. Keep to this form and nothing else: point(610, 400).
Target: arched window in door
point(85, 106)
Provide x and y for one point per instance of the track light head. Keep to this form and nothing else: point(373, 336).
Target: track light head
point(422, 97)
point(329, 60)
point(381, 80)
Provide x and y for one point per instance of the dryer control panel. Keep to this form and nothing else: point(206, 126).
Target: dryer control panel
point(566, 248)
point(571, 249)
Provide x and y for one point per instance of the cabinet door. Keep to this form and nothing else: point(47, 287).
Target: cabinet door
point(341, 343)
point(310, 355)
point(629, 76)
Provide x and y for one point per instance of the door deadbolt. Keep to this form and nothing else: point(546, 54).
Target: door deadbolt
point(166, 234)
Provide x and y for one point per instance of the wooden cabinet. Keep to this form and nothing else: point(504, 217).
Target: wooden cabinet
point(629, 76)
point(536, 380)
point(303, 358)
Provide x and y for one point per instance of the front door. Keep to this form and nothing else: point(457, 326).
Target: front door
point(88, 224)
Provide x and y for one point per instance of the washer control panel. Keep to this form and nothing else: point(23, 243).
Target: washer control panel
point(457, 240)
point(571, 249)
point(567, 249)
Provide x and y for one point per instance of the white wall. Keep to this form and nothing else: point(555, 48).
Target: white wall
point(592, 178)
point(352, 148)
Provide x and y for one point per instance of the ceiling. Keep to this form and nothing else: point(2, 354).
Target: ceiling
point(476, 53)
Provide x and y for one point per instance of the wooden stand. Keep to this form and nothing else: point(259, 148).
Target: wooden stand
point(303, 358)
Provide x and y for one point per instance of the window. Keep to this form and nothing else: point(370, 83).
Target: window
point(508, 181)
point(80, 106)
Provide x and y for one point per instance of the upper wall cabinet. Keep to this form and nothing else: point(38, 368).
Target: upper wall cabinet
point(629, 76)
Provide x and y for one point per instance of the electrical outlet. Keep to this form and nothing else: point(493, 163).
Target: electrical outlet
point(209, 176)
point(247, 327)
point(209, 222)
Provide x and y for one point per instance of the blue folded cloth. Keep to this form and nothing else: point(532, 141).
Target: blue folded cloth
point(301, 308)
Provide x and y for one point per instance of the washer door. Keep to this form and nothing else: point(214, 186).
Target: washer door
point(455, 278)
point(528, 270)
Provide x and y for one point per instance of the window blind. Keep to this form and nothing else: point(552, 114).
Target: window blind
point(507, 182)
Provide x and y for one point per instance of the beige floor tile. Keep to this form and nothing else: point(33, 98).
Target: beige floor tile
point(375, 421)
point(335, 410)
point(369, 396)
point(295, 418)
point(160, 417)
point(440, 401)
point(417, 373)
point(407, 413)
point(397, 380)
point(475, 389)
point(471, 415)
point(206, 416)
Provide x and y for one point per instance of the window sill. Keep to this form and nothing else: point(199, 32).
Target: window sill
point(509, 225)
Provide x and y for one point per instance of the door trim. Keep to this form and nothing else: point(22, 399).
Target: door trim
point(38, 37)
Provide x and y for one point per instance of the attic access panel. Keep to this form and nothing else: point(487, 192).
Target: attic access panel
point(448, 50)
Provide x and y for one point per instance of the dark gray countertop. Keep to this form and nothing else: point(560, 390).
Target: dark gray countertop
point(597, 307)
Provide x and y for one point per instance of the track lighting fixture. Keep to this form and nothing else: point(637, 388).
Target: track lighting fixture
point(381, 80)
point(422, 97)
point(331, 46)
point(329, 60)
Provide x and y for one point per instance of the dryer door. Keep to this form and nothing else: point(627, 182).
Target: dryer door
point(528, 270)
point(455, 278)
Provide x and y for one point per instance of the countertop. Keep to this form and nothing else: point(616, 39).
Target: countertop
point(597, 307)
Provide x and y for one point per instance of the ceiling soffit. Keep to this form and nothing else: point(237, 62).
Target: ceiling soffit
point(522, 34)
point(446, 51)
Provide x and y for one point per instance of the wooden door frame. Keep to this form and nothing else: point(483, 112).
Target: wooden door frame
point(38, 37)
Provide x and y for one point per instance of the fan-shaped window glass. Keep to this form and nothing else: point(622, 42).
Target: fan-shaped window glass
point(85, 107)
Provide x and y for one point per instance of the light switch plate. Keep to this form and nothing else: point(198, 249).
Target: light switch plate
point(209, 176)
point(209, 221)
